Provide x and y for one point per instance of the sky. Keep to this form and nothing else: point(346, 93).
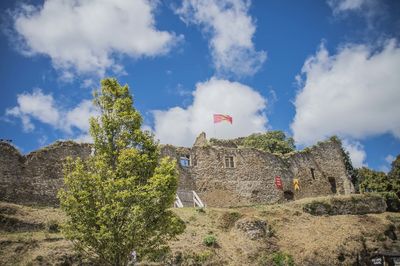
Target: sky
point(312, 69)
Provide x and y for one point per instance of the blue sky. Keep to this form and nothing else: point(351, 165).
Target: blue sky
point(310, 68)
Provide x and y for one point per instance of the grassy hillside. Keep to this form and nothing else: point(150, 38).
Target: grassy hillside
point(254, 235)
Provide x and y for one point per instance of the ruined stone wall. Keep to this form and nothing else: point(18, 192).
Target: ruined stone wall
point(251, 180)
point(330, 176)
point(36, 177)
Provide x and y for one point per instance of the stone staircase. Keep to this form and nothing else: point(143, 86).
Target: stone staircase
point(185, 198)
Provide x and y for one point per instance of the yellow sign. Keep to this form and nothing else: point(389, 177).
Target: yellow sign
point(296, 184)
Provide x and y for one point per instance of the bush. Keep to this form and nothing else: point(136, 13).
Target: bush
point(228, 219)
point(392, 201)
point(210, 241)
point(277, 259)
point(200, 210)
point(53, 226)
point(282, 259)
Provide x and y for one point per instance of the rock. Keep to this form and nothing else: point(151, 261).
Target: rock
point(201, 140)
point(354, 204)
point(252, 227)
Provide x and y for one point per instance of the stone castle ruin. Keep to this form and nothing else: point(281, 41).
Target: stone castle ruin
point(222, 173)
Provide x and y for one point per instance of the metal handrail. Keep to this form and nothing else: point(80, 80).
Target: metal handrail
point(178, 202)
point(197, 201)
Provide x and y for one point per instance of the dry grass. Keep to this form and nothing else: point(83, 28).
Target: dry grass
point(311, 240)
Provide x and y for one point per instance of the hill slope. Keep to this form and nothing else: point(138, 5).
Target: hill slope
point(254, 235)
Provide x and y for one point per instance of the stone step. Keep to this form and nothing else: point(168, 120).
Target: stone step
point(186, 198)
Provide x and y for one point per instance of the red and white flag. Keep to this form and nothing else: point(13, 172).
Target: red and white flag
point(219, 118)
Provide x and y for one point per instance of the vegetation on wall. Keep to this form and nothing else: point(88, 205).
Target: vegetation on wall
point(351, 171)
point(117, 201)
point(272, 141)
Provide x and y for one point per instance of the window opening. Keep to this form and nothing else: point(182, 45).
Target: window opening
point(312, 172)
point(332, 181)
point(288, 195)
point(185, 160)
point(229, 162)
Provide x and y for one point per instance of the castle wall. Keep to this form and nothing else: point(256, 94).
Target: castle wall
point(36, 177)
point(252, 179)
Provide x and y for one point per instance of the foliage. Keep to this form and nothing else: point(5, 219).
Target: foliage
point(375, 181)
point(277, 259)
point(271, 141)
point(210, 240)
point(282, 259)
point(372, 181)
point(117, 200)
point(395, 171)
point(392, 201)
point(205, 257)
point(228, 219)
point(52, 226)
point(351, 171)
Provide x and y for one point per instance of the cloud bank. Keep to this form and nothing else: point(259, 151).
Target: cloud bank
point(37, 106)
point(357, 153)
point(180, 126)
point(231, 30)
point(354, 93)
point(86, 36)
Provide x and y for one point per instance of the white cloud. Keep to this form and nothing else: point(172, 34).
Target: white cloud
point(180, 126)
point(356, 152)
point(373, 11)
point(37, 105)
point(85, 35)
point(346, 5)
point(353, 94)
point(390, 158)
point(387, 165)
point(231, 29)
point(79, 116)
point(43, 108)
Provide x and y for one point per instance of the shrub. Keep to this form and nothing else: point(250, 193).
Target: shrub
point(318, 208)
point(210, 241)
point(53, 226)
point(282, 259)
point(228, 219)
point(277, 259)
point(392, 201)
point(200, 210)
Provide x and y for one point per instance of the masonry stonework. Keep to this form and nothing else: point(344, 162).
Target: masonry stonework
point(222, 173)
point(320, 171)
point(36, 177)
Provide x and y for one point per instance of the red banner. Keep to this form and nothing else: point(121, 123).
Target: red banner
point(278, 182)
point(219, 118)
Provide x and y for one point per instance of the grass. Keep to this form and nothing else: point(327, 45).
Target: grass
point(320, 239)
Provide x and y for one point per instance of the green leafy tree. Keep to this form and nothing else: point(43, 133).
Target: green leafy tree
point(271, 141)
point(118, 199)
point(373, 181)
point(395, 171)
point(394, 175)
